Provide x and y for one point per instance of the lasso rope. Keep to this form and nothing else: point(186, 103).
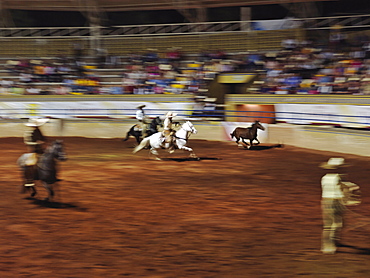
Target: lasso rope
point(363, 221)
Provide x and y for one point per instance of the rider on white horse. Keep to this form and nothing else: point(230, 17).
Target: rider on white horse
point(180, 140)
point(168, 132)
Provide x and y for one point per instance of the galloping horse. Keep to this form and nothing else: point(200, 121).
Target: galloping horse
point(45, 170)
point(249, 133)
point(135, 130)
point(155, 141)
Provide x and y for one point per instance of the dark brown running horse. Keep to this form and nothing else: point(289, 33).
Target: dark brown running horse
point(45, 170)
point(249, 133)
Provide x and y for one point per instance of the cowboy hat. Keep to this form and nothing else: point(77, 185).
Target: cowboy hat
point(171, 114)
point(34, 122)
point(141, 106)
point(334, 163)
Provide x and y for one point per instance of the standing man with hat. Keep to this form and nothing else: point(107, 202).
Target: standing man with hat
point(142, 119)
point(332, 204)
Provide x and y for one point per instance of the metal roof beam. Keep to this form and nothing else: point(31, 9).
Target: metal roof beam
point(137, 5)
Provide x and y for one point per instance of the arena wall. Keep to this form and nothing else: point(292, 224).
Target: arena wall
point(318, 138)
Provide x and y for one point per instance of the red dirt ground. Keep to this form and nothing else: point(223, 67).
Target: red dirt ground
point(235, 213)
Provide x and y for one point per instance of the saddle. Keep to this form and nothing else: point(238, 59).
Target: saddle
point(138, 127)
point(168, 136)
point(31, 159)
point(28, 159)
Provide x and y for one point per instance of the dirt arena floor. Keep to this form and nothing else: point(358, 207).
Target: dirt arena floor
point(234, 213)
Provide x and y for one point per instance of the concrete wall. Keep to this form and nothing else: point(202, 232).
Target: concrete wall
point(325, 139)
point(99, 129)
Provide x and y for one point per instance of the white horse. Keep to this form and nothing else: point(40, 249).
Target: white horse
point(155, 141)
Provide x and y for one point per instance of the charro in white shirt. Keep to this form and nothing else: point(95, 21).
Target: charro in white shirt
point(331, 186)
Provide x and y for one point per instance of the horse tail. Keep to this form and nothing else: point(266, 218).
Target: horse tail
point(130, 132)
point(144, 143)
point(127, 136)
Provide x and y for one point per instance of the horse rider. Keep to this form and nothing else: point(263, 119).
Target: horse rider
point(33, 137)
point(168, 133)
point(142, 119)
point(35, 141)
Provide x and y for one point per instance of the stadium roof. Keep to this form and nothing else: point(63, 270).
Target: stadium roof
point(134, 5)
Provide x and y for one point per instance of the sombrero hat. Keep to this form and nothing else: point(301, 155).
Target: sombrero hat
point(141, 106)
point(334, 163)
point(36, 122)
point(171, 114)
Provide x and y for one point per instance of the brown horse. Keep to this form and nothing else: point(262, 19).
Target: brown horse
point(249, 133)
point(45, 170)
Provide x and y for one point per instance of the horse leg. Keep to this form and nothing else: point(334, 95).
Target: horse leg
point(237, 140)
point(34, 191)
point(251, 143)
point(192, 153)
point(50, 191)
point(138, 138)
point(144, 143)
point(29, 175)
point(154, 152)
point(246, 144)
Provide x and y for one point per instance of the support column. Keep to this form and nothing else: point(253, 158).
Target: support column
point(245, 16)
point(6, 19)
point(90, 9)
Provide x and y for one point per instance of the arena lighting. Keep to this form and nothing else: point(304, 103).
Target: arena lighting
point(136, 5)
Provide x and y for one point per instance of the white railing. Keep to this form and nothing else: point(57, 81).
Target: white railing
point(319, 23)
point(345, 22)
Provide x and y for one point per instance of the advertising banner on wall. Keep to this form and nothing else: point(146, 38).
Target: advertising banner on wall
point(339, 115)
point(102, 109)
point(252, 112)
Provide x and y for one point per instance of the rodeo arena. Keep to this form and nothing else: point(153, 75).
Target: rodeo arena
point(174, 139)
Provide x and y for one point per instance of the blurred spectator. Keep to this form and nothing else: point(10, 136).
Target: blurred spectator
point(29, 90)
point(61, 90)
point(26, 76)
point(366, 48)
point(289, 44)
point(353, 85)
point(173, 54)
point(6, 84)
point(365, 86)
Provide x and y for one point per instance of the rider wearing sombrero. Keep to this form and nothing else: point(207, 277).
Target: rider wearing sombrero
point(34, 138)
point(168, 132)
point(35, 141)
point(142, 119)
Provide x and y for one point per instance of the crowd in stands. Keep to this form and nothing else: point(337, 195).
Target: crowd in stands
point(297, 68)
point(308, 70)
